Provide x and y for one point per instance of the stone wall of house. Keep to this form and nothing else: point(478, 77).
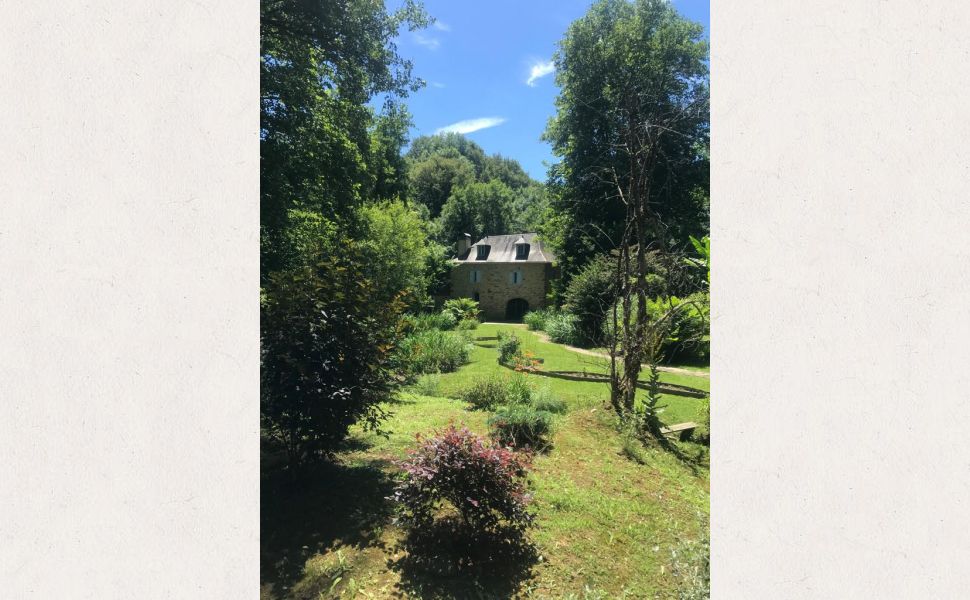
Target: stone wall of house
point(495, 287)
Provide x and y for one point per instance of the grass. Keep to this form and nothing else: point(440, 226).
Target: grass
point(608, 526)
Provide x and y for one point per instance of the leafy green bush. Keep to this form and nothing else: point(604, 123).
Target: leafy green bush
point(562, 329)
point(326, 352)
point(443, 321)
point(509, 346)
point(535, 320)
point(589, 296)
point(428, 384)
point(521, 425)
point(485, 483)
point(462, 308)
point(434, 351)
point(495, 390)
point(683, 322)
point(468, 324)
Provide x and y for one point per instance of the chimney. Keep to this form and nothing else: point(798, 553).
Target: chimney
point(464, 243)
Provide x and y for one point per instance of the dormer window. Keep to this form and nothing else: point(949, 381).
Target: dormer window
point(482, 252)
point(521, 251)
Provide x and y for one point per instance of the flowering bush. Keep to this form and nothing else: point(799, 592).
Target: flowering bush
point(526, 361)
point(483, 482)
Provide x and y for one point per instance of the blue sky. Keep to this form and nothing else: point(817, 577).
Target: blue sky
point(477, 60)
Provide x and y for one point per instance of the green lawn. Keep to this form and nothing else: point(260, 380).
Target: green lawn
point(607, 526)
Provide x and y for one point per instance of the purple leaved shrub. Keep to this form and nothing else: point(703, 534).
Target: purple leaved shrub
point(484, 482)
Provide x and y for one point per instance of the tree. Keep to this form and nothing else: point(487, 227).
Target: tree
point(446, 143)
point(434, 178)
point(478, 209)
point(396, 252)
point(631, 126)
point(321, 61)
point(617, 63)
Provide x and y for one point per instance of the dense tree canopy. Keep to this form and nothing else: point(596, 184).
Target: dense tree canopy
point(624, 61)
point(322, 149)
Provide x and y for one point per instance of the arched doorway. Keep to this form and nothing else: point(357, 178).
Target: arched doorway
point(516, 309)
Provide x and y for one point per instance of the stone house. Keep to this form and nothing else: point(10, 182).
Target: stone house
point(507, 274)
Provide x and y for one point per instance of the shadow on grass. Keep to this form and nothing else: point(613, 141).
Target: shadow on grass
point(449, 561)
point(326, 505)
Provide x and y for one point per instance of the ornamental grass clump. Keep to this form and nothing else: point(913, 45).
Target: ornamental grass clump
point(482, 481)
point(434, 351)
point(522, 426)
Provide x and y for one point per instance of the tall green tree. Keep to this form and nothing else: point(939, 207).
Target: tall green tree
point(628, 62)
point(436, 176)
point(631, 130)
point(477, 209)
point(321, 61)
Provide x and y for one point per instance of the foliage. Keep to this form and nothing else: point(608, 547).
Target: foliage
point(563, 329)
point(495, 390)
point(434, 351)
point(435, 178)
point(702, 435)
point(521, 425)
point(589, 296)
point(326, 355)
point(468, 324)
point(428, 384)
point(703, 260)
point(484, 483)
point(542, 398)
point(509, 346)
point(443, 321)
point(477, 209)
point(322, 149)
point(396, 250)
point(535, 320)
point(526, 361)
point(627, 62)
point(449, 144)
point(682, 325)
point(463, 308)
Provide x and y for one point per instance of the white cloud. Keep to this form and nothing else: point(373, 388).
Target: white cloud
point(470, 125)
point(428, 42)
point(437, 84)
point(441, 26)
point(539, 69)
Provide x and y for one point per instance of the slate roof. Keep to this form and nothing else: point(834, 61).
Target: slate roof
point(502, 249)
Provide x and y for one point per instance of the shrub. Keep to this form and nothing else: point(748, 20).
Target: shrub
point(489, 392)
point(517, 390)
point(326, 352)
point(428, 384)
point(468, 324)
point(535, 320)
point(521, 425)
point(434, 351)
point(508, 347)
point(589, 296)
point(561, 328)
point(484, 482)
point(462, 308)
point(543, 399)
point(485, 393)
point(683, 322)
point(443, 321)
